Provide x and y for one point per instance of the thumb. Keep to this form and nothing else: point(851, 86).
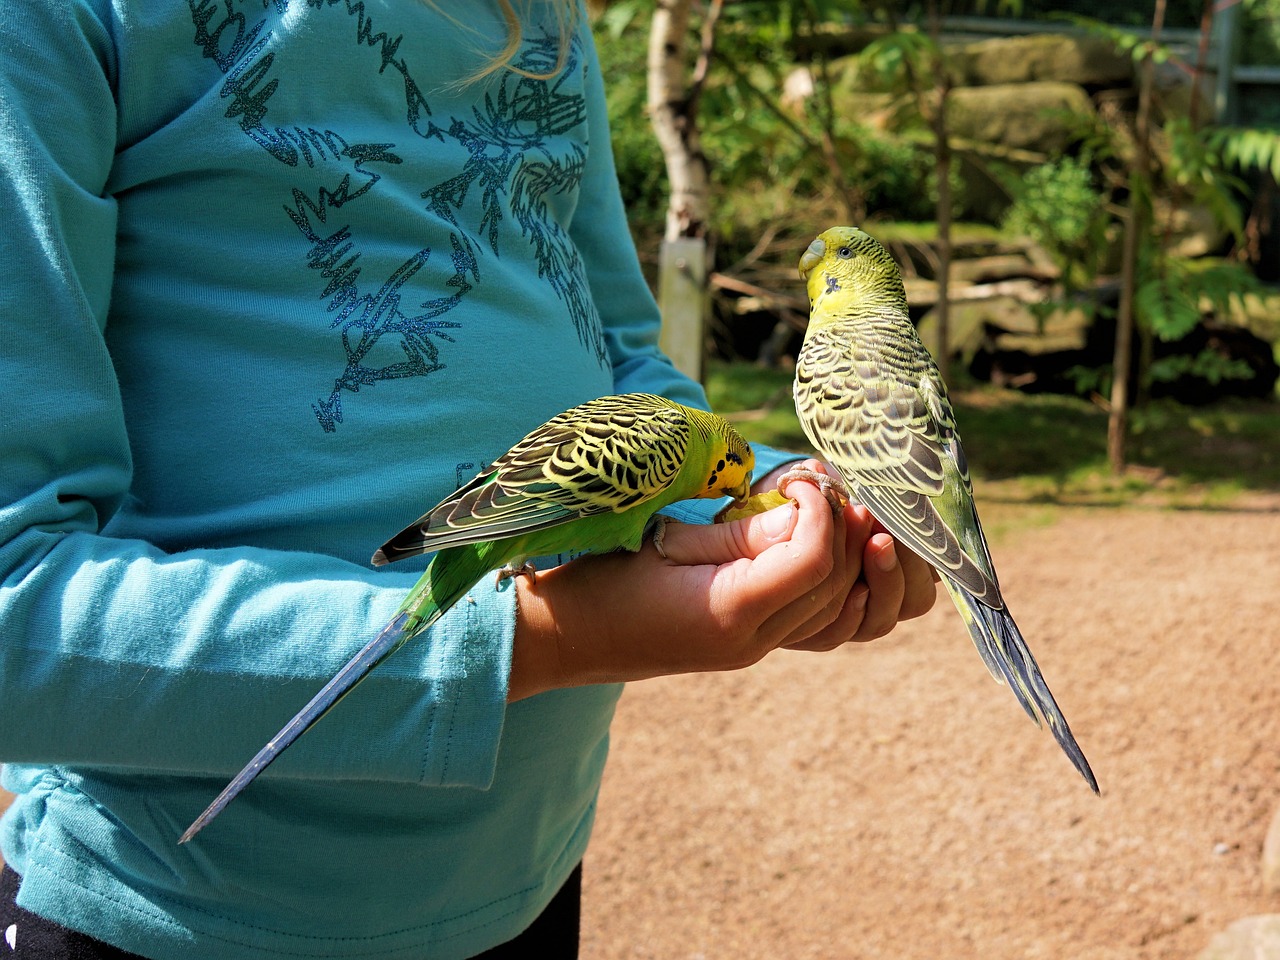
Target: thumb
point(716, 543)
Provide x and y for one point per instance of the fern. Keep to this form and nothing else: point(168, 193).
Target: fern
point(1248, 148)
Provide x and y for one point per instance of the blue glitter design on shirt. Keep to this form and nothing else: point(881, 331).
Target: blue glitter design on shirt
point(511, 169)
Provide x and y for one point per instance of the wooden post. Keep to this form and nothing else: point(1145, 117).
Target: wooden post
point(682, 297)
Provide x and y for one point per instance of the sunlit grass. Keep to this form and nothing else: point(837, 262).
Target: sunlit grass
point(1052, 449)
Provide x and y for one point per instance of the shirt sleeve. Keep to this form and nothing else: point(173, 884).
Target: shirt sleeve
point(114, 653)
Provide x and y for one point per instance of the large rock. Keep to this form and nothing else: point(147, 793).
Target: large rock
point(1252, 938)
point(1005, 323)
point(1191, 230)
point(1087, 61)
point(1024, 116)
point(1271, 856)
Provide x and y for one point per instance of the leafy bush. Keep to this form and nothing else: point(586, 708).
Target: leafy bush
point(1058, 206)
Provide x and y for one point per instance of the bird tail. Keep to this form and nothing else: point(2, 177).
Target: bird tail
point(1009, 659)
point(439, 588)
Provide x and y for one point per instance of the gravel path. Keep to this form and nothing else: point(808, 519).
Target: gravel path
point(891, 801)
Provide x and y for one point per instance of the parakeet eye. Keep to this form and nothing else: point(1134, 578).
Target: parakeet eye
point(845, 253)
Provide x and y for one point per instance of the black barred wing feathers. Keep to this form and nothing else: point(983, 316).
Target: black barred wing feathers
point(876, 409)
point(604, 456)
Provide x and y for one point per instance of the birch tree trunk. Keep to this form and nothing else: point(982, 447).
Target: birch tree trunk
point(673, 96)
point(673, 113)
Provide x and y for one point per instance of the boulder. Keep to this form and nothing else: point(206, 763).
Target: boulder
point(1247, 939)
point(1084, 60)
point(1271, 856)
point(1024, 116)
point(1192, 230)
point(1006, 323)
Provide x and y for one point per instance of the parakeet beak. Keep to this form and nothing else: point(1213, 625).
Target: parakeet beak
point(741, 491)
point(812, 257)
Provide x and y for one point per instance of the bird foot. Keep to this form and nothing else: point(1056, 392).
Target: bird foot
point(526, 569)
point(833, 488)
point(659, 533)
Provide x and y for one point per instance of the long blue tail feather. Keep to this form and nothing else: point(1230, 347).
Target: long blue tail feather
point(392, 636)
point(1007, 656)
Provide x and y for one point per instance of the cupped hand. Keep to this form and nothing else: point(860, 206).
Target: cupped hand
point(898, 583)
point(724, 596)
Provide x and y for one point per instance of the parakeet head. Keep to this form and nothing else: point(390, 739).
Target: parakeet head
point(847, 261)
point(731, 461)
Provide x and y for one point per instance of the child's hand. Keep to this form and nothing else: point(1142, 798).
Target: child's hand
point(726, 595)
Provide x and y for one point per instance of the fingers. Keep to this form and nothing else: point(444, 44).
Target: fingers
point(839, 622)
point(921, 585)
point(691, 544)
point(815, 582)
point(828, 617)
point(801, 583)
point(887, 585)
point(895, 585)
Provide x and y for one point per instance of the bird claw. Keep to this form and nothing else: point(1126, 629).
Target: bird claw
point(833, 488)
point(659, 533)
point(526, 569)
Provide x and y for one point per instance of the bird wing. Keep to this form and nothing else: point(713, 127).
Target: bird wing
point(880, 414)
point(604, 456)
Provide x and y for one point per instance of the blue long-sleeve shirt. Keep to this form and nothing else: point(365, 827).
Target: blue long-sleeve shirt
point(275, 282)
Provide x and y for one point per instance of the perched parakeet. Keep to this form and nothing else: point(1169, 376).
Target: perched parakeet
point(589, 480)
point(873, 404)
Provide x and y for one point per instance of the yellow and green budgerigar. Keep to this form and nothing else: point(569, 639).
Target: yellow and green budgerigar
point(872, 402)
point(590, 480)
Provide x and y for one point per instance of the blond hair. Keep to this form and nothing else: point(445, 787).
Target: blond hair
point(566, 14)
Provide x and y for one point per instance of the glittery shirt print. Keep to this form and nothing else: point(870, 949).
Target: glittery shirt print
point(513, 163)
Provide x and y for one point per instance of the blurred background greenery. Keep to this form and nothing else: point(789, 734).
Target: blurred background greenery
point(815, 112)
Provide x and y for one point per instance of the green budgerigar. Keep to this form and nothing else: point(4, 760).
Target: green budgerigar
point(872, 402)
point(590, 480)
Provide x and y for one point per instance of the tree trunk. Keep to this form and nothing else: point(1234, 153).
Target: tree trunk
point(673, 97)
point(673, 113)
point(942, 170)
point(1134, 226)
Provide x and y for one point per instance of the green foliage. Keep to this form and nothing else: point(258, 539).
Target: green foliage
point(1194, 172)
point(1172, 302)
point(1180, 13)
point(778, 165)
point(641, 170)
point(1166, 307)
point(894, 61)
point(899, 178)
point(1059, 205)
point(1206, 365)
point(1187, 166)
point(766, 160)
point(1246, 148)
point(1260, 37)
point(1126, 41)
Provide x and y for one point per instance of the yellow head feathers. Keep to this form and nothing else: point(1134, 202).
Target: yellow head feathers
point(732, 459)
point(852, 263)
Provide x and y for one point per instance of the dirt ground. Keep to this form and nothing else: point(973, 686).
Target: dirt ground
point(890, 801)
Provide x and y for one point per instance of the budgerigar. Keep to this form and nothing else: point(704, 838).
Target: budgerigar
point(590, 480)
point(872, 402)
